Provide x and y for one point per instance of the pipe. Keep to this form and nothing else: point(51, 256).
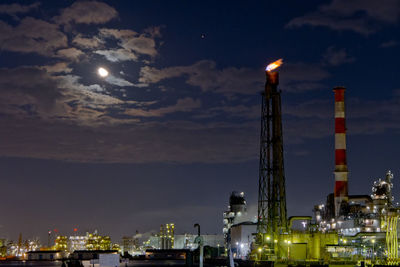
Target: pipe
point(198, 228)
point(366, 234)
point(199, 240)
point(341, 172)
point(298, 218)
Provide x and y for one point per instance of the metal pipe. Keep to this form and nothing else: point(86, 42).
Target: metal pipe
point(298, 218)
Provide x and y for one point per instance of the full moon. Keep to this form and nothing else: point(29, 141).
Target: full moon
point(102, 72)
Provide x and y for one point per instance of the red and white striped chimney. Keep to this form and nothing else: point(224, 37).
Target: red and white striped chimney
point(341, 189)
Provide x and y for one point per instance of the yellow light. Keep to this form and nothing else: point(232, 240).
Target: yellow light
point(259, 249)
point(275, 241)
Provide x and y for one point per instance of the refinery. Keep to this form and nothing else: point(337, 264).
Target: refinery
point(351, 230)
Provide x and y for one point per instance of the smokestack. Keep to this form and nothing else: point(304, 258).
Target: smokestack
point(341, 172)
point(271, 83)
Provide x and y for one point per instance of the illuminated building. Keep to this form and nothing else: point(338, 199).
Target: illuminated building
point(130, 244)
point(61, 243)
point(242, 236)
point(98, 242)
point(167, 236)
point(3, 247)
point(236, 209)
point(77, 243)
point(153, 242)
point(21, 248)
point(90, 241)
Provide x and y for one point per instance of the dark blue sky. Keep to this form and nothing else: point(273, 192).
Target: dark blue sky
point(174, 128)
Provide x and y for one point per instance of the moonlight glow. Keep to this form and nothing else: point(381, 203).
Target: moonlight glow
point(102, 72)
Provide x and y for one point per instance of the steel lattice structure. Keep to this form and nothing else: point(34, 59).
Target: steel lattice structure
point(272, 215)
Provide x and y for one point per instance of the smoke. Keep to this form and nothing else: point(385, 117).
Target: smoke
point(249, 216)
point(144, 236)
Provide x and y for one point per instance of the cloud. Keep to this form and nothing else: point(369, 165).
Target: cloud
point(389, 44)
point(60, 67)
point(336, 57)
point(85, 95)
point(85, 42)
point(317, 116)
point(87, 12)
point(129, 143)
point(361, 16)
point(141, 44)
point(118, 34)
point(154, 31)
point(60, 112)
point(28, 91)
point(118, 81)
point(301, 77)
point(77, 119)
point(130, 44)
point(204, 74)
point(14, 9)
point(38, 92)
point(70, 53)
point(32, 36)
point(117, 55)
point(239, 111)
point(182, 105)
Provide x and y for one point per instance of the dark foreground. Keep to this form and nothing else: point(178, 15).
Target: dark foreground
point(132, 263)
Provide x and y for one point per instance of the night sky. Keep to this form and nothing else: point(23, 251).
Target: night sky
point(175, 127)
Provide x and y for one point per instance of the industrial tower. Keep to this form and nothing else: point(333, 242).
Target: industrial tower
point(341, 172)
point(272, 215)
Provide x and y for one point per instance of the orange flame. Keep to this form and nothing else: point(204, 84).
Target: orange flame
point(274, 65)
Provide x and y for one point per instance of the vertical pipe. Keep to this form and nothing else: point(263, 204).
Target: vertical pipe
point(341, 172)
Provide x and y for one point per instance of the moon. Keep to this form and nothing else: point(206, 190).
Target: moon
point(102, 72)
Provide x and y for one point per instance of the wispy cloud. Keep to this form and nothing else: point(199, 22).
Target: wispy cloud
point(182, 105)
point(297, 77)
point(361, 16)
point(116, 55)
point(87, 12)
point(87, 42)
point(32, 36)
point(131, 44)
point(14, 9)
point(391, 43)
point(72, 53)
point(336, 57)
point(118, 81)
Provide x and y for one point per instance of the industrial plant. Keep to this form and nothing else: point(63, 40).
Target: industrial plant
point(352, 230)
point(347, 229)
